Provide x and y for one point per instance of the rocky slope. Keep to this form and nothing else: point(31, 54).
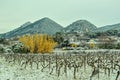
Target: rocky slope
point(109, 27)
point(44, 26)
point(82, 26)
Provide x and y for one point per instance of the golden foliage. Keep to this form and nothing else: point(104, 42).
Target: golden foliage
point(92, 45)
point(38, 43)
point(73, 45)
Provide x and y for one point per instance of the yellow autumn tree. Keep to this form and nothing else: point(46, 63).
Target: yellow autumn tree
point(92, 45)
point(31, 44)
point(24, 40)
point(73, 45)
point(38, 43)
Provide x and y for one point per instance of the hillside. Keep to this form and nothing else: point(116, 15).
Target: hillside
point(44, 25)
point(81, 26)
point(48, 26)
point(109, 27)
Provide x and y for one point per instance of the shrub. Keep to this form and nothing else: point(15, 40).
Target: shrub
point(38, 43)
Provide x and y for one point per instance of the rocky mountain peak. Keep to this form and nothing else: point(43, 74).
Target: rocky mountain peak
point(80, 26)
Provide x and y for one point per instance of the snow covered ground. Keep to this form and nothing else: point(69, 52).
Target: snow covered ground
point(14, 71)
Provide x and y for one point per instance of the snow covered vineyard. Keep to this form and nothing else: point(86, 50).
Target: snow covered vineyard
point(82, 65)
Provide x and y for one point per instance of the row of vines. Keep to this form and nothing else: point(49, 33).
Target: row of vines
point(62, 63)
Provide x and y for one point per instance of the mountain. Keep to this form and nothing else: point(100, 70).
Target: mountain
point(48, 26)
point(81, 26)
point(26, 24)
point(109, 27)
point(42, 26)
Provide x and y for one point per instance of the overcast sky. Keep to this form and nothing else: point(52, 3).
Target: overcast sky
point(14, 13)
